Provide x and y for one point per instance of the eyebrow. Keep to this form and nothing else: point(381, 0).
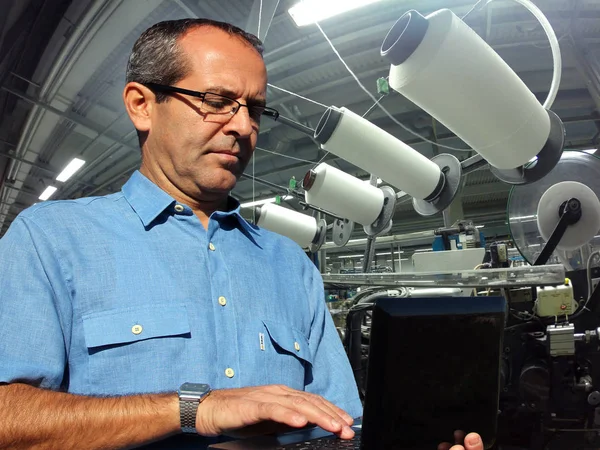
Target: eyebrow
point(231, 94)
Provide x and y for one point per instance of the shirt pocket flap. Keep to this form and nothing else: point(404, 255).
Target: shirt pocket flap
point(121, 326)
point(289, 340)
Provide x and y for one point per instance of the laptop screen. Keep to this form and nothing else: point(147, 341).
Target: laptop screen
point(434, 367)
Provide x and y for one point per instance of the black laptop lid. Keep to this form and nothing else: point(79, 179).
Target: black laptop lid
point(434, 367)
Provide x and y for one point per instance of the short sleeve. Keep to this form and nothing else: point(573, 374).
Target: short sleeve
point(331, 375)
point(32, 343)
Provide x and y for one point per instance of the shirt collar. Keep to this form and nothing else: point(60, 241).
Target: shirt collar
point(149, 201)
point(233, 209)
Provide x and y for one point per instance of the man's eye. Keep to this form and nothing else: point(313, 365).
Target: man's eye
point(217, 104)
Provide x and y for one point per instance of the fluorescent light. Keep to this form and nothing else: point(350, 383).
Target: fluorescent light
point(480, 226)
point(48, 193)
point(590, 150)
point(310, 11)
point(351, 256)
point(71, 168)
point(263, 201)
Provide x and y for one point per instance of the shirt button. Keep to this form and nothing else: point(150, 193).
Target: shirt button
point(229, 373)
point(179, 208)
point(136, 329)
point(222, 301)
point(211, 247)
point(297, 346)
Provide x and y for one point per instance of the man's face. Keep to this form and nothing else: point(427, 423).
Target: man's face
point(201, 155)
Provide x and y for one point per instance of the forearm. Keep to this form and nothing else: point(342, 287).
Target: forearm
point(40, 419)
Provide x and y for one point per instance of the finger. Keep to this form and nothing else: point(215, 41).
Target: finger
point(324, 403)
point(315, 414)
point(473, 442)
point(444, 446)
point(459, 436)
point(333, 410)
point(457, 447)
point(279, 413)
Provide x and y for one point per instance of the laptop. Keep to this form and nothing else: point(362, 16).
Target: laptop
point(433, 368)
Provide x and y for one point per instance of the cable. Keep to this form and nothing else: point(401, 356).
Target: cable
point(554, 45)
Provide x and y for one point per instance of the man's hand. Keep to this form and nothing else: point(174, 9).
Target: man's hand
point(471, 442)
point(225, 411)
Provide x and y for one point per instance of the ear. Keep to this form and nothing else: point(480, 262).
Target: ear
point(139, 101)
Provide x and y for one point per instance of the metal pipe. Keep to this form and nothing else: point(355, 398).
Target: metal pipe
point(295, 125)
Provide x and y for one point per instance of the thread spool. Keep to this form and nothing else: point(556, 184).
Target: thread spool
point(548, 216)
point(360, 142)
point(439, 62)
point(299, 227)
point(342, 194)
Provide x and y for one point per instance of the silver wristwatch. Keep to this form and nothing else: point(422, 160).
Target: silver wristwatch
point(190, 396)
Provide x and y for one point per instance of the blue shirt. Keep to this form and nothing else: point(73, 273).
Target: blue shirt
point(128, 293)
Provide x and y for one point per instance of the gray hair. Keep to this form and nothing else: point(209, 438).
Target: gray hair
point(157, 58)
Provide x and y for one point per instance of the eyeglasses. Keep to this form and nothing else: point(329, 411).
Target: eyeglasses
point(224, 108)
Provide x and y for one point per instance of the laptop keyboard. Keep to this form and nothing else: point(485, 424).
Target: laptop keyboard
point(325, 443)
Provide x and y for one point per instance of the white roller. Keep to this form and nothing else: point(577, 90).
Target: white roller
point(460, 80)
point(374, 150)
point(299, 227)
point(344, 195)
point(548, 209)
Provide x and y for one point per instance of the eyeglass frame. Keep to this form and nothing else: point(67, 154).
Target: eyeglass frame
point(165, 88)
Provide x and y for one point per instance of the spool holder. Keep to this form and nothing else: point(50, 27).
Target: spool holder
point(452, 180)
point(341, 231)
point(319, 239)
point(384, 218)
point(547, 158)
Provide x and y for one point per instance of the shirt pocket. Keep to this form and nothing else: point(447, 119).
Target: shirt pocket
point(136, 349)
point(292, 357)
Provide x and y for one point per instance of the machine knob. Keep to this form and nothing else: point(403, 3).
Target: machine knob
point(594, 398)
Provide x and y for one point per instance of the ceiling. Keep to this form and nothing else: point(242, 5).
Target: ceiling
point(62, 71)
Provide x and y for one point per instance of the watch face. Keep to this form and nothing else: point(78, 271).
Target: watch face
point(196, 389)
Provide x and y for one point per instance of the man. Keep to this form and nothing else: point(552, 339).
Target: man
point(109, 304)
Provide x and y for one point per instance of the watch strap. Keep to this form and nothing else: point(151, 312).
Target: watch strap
point(187, 415)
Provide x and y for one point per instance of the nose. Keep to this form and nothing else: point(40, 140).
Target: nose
point(241, 125)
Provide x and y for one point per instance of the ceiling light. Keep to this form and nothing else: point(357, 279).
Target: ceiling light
point(590, 150)
point(71, 168)
point(480, 226)
point(48, 193)
point(263, 201)
point(310, 11)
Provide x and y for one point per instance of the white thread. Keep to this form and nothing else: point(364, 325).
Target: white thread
point(259, 17)
point(253, 192)
point(379, 104)
point(284, 156)
point(297, 95)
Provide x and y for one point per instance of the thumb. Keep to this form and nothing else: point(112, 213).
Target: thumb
point(473, 442)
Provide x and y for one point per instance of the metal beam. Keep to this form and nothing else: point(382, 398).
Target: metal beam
point(588, 68)
point(71, 117)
